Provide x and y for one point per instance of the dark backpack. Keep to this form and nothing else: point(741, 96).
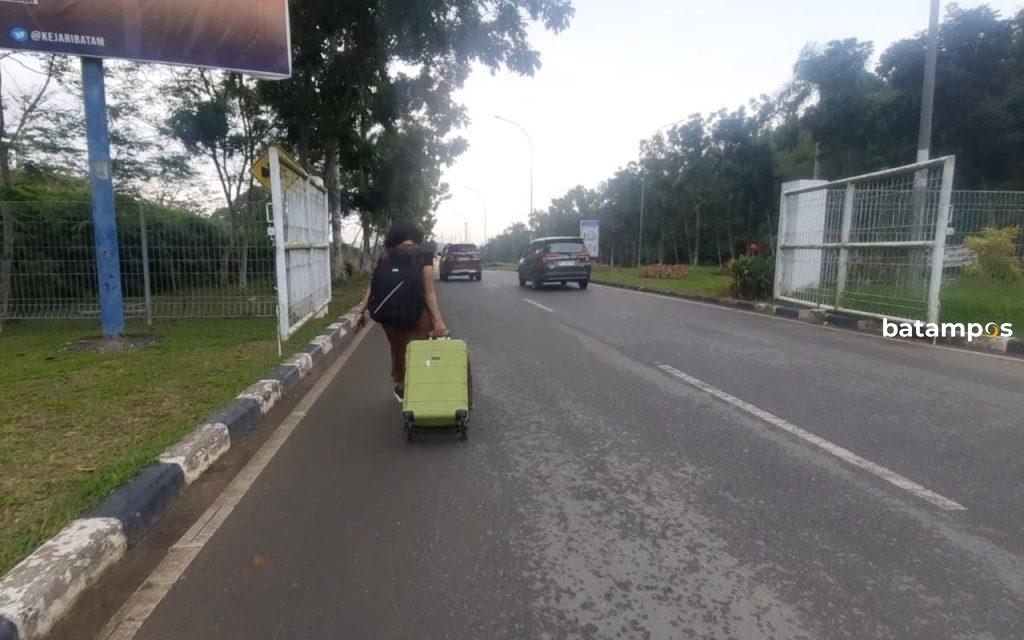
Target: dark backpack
point(395, 297)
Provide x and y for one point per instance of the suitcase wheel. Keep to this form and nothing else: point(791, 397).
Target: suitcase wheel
point(409, 427)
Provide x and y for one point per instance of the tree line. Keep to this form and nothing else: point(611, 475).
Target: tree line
point(370, 108)
point(711, 182)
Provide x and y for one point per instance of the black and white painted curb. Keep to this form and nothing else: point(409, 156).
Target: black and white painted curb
point(39, 590)
point(1001, 345)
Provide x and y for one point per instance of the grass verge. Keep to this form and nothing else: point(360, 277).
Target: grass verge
point(76, 425)
point(701, 281)
point(986, 301)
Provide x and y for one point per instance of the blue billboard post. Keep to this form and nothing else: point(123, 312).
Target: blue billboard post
point(108, 259)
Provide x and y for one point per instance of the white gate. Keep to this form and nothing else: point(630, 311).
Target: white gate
point(872, 244)
point(302, 240)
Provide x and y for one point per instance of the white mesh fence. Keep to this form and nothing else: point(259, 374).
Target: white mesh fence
point(302, 235)
point(872, 244)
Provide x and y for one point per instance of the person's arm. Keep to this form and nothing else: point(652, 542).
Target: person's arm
point(440, 329)
point(363, 306)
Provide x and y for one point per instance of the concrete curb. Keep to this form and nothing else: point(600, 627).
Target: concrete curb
point(39, 590)
point(1013, 347)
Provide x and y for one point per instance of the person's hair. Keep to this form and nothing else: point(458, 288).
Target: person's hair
point(400, 231)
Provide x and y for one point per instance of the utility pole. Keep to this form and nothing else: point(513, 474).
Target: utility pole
point(924, 136)
point(924, 141)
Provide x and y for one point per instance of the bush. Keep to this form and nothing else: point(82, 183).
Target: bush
point(664, 271)
point(997, 255)
point(753, 277)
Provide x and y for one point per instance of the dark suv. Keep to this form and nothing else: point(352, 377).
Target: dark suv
point(561, 260)
point(462, 260)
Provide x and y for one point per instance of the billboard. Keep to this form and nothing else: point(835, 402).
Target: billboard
point(590, 231)
point(250, 36)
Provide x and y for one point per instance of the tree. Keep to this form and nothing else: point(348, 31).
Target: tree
point(978, 95)
point(838, 99)
point(22, 111)
point(508, 245)
point(368, 65)
point(218, 116)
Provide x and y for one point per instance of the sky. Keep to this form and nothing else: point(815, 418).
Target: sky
point(625, 68)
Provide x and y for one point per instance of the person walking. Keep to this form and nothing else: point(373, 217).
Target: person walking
point(401, 296)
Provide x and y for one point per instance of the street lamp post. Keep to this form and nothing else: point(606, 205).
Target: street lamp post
point(465, 222)
point(643, 197)
point(483, 199)
point(530, 141)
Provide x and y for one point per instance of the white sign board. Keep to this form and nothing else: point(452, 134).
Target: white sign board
point(590, 231)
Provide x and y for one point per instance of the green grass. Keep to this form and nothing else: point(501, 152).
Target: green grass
point(964, 300)
point(971, 301)
point(701, 281)
point(75, 425)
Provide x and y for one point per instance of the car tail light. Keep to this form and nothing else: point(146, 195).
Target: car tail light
point(547, 257)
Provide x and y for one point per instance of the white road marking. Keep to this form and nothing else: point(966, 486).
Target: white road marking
point(822, 327)
point(843, 454)
point(538, 305)
point(492, 285)
point(129, 619)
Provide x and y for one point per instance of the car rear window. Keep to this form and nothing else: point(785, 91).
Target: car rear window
point(462, 248)
point(566, 247)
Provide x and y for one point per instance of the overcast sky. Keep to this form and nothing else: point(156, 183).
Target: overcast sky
point(625, 68)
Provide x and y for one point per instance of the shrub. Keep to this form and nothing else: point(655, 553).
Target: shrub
point(664, 271)
point(997, 255)
point(753, 277)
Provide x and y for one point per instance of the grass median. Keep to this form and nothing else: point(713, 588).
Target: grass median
point(76, 424)
point(701, 281)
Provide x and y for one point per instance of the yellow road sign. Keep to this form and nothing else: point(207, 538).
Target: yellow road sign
point(261, 170)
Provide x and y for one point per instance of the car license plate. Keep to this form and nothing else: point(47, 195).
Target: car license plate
point(567, 263)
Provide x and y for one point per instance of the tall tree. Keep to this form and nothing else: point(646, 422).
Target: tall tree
point(219, 117)
point(370, 64)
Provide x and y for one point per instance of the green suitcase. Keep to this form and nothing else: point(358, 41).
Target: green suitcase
point(438, 386)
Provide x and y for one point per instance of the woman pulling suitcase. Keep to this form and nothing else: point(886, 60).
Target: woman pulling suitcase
point(401, 296)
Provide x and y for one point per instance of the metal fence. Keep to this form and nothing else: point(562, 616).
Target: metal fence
point(872, 244)
point(302, 237)
point(174, 264)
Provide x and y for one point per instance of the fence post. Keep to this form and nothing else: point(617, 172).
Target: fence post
point(280, 240)
point(780, 243)
point(844, 251)
point(939, 246)
point(145, 264)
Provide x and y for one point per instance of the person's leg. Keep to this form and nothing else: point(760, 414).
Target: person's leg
point(399, 340)
point(423, 327)
point(402, 339)
point(396, 338)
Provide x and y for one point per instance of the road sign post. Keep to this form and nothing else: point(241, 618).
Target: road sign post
point(108, 259)
point(590, 231)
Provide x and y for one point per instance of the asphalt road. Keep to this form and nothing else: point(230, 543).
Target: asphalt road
point(638, 467)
